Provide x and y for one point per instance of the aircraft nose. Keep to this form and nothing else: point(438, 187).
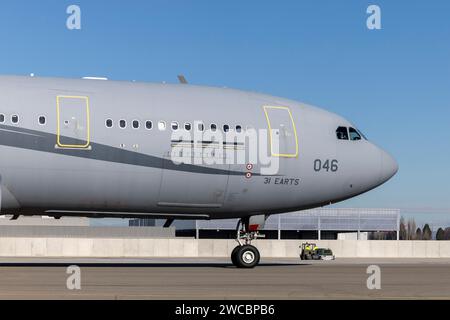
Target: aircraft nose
point(389, 167)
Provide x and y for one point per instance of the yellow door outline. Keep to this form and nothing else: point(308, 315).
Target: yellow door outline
point(58, 112)
point(281, 155)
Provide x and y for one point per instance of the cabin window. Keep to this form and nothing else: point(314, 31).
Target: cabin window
point(2, 118)
point(201, 127)
point(187, 126)
point(175, 126)
point(15, 119)
point(342, 133)
point(109, 123)
point(42, 120)
point(122, 124)
point(354, 135)
point(226, 128)
point(149, 125)
point(162, 126)
point(136, 124)
point(213, 127)
point(238, 129)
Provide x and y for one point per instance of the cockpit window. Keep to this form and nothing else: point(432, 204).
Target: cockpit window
point(362, 134)
point(342, 133)
point(354, 135)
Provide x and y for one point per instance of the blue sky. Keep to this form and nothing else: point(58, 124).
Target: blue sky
point(393, 83)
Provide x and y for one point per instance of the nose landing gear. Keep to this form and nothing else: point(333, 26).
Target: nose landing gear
point(246, 256)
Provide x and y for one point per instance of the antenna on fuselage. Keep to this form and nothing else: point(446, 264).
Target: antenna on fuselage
point(182, 79)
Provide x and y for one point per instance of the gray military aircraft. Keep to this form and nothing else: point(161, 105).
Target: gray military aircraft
point(93, 148)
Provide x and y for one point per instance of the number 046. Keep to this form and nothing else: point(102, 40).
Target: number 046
point(327, 165)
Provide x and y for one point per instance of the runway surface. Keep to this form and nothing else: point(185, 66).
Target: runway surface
point(217, 279)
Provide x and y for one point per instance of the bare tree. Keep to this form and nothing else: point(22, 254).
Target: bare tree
point(447, 234)
point(440, 235)
point(418, 234)
point(427, 234)
point(411, 229)
point(403, 232)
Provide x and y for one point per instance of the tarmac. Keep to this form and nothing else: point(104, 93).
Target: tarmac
point(206, 279)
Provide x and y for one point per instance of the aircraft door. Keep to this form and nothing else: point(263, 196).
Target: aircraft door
point(283, 137)
point(73, 122)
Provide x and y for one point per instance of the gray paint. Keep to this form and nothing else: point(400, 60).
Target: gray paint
point(141, 180)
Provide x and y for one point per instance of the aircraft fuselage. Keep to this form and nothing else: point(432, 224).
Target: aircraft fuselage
point(105, 148)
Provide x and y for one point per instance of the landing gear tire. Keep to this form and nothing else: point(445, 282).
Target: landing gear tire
point(234, 256)
point(246, 257)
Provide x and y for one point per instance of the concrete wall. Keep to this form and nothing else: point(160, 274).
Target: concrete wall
point(44, 221)
point(90, 247)
point(135, 248)
point(81, 232)
point(353, 236)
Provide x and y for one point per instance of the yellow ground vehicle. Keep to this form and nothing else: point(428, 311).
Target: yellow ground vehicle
point(310, 251)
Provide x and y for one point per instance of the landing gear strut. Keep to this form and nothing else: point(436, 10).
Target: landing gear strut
point(245, 255)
